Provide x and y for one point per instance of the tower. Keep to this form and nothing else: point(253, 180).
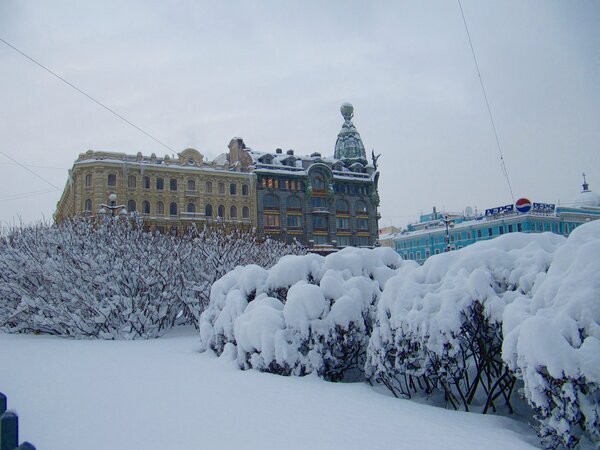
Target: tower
point(349, 145)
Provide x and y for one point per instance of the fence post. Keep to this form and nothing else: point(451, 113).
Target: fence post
point(9, 431)
point(2, 403)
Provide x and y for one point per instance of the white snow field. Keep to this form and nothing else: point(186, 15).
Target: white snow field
point(164, 394)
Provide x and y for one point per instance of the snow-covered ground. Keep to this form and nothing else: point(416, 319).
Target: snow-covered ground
point(164, 394)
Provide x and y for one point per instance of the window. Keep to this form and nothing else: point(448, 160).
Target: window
point(233, 212)
point(173, 209)
point(221, 188)
point(209, 188)
point(131, 206)
point(319, 202)
point(88, 205)
point(244, 189)
point(320, 222)
point(318, 184)
point(294, 203)
point(160, 208)
point(233, 189)
point(510, 228)
point(88, 181)
point(271, 220)
point(294, 221)
point(361, 207)
point(146, 207)
point(437, 251)
point(131, 181)
point(112, 180)
point(501, 229)
point(245, 212)
point(343, 241)
point(271, 202)
point(146, 183)
point(490, 231)
point(362, 224)
point(342, 223)
point(191, 185)
point(173, 184)
point(478, 233)
point(519, 227)
point(341, 206)
point(221, 211)
point(418, 255)
point(427, 254)
point(208, 211)
point(320, 239)
point(191, 208)
point(160, 184)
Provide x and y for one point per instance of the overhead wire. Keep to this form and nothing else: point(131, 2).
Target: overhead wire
point(86, 94)
point(30, 171)
point(487, 103)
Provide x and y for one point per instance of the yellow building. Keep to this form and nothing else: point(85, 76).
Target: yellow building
point(165, 192)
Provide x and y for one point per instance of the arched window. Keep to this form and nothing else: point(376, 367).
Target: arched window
point(146, 207)
point(221, 188)
point(160, 184)
point(233, 189)
point(361, 207)
point(341, 206)
point(173, 209)
point(88, 180)
point(233, 212)
point(131, 181)
point(131, 206)
point(318, 183)
point(191, 185)
point(146, 183)
point(209, 188)
point(88, 205)
point(245, 212)
point(221, 211)
point(191, 208)
point(112, 180)
point(294, 203)
point(208, 212)
point(244, 189)
point(271, 202)
point(160, 208)
point(173, 184)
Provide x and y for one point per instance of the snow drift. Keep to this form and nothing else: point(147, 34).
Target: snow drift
point(306, 314)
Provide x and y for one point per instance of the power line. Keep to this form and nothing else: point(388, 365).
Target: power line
point(30, 171)
point(504, 170)
point(87, 95)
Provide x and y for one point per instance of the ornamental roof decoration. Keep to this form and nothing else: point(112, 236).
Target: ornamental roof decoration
point(349, 145)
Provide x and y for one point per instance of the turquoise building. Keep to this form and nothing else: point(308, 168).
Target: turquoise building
point(440, 232)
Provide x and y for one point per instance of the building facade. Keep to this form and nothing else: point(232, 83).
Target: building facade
point(165, 192)
point(327, 202)
point(440, 232)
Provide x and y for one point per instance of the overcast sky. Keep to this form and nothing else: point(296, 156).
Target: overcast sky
point(195, 74)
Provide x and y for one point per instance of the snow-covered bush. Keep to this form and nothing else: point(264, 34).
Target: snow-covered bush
point(438, 327)
point(306, 314)
point(552, 342)
point(113, 280)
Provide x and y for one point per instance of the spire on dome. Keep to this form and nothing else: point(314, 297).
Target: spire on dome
point(349, 145)
point(586, 187)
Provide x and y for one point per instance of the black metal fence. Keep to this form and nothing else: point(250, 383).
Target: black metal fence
point(9, 429)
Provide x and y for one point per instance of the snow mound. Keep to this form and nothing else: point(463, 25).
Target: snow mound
point(306, 314)
point(552, 341)
point(438, 326)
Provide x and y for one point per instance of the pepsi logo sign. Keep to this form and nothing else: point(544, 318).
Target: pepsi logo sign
point(523, 205)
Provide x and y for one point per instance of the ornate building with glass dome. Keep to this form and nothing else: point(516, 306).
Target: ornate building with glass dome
point(321, 201)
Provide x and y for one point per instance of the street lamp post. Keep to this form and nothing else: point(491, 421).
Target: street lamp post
point(449, 224)
point(112, 206)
